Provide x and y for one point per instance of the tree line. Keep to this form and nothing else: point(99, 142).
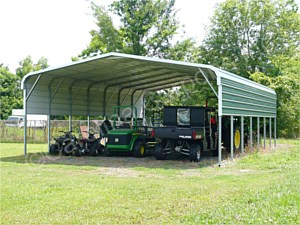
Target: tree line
point(256, 39)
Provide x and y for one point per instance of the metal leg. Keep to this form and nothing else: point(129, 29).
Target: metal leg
point(270, 131)
point(275, 132)
point(220, 140)
point(70, 122)
point(251, 138)
point(144, 111)
point(258, 144)
point(49, 130)
point(231, 137)
point(88, 120)
point(49, 119)
point(265, 131)
point(25, 121)
point(242, 134)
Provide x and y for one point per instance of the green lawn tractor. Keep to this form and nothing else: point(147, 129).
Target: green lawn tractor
point(129, 135)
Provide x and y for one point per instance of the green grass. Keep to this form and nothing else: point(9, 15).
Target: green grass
point(260, 188)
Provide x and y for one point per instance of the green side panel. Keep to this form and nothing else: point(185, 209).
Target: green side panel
point(246, 100)
point(119, 148)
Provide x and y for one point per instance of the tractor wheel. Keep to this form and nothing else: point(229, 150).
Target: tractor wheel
point(94, 150)
point(195, 153)
point(138, 149)
point(237, 140)
point(158, 152)
point(68, 150)
point(54, 149)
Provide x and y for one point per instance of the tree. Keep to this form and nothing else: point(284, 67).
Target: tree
point(245, 35)
point(185, 50)
point(27, 66)
point(287, 87)
point(146, 28)
point(11, 95)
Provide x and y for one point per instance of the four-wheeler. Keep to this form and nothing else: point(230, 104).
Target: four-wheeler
point(88, 146)
point(128, 136)
point(65, 144)
point(187, 130)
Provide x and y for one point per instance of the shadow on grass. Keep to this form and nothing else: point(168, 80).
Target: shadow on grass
point(175, 161)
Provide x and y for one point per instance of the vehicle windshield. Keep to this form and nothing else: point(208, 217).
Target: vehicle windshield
point(12, 118)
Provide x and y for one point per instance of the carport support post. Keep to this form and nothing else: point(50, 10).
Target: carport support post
point(274, 131)
point(88, 107)
point(70, 108)
point(231, 137)
point(258, 144)
point(49, 130)
point(242, 134)
point(220, 140)
point(265, 132)
point(25, 119)
point(270, 131)
point(88, 122)
point(70, 122)
point(251, 139)
point(49, 118)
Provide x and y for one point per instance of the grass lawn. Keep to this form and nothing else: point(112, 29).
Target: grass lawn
point(260, 188)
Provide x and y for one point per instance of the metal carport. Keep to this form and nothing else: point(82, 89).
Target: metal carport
point(94, 86)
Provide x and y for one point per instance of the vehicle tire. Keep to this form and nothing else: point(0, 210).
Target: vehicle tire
point(138, 149)
point(101, 150)
point(107, 152)
point(94, 149)
point(216, 151)
point(195, 153)
point(54, 149)
point(77, 151)
point(158, 152)
point(68, 150)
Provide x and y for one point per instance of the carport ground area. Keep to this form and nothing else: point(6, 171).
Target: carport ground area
point(260, 187)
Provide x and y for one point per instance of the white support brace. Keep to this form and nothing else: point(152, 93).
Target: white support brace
point(33, 86)
point(205, 77)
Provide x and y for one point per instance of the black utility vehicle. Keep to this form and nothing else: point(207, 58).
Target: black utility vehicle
point(187, 130)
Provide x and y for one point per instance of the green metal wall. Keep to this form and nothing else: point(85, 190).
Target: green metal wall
point(247, 99)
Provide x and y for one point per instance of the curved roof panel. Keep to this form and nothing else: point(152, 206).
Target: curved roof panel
point(93, 86)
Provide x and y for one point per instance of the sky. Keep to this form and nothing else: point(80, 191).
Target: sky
point(59, 29)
